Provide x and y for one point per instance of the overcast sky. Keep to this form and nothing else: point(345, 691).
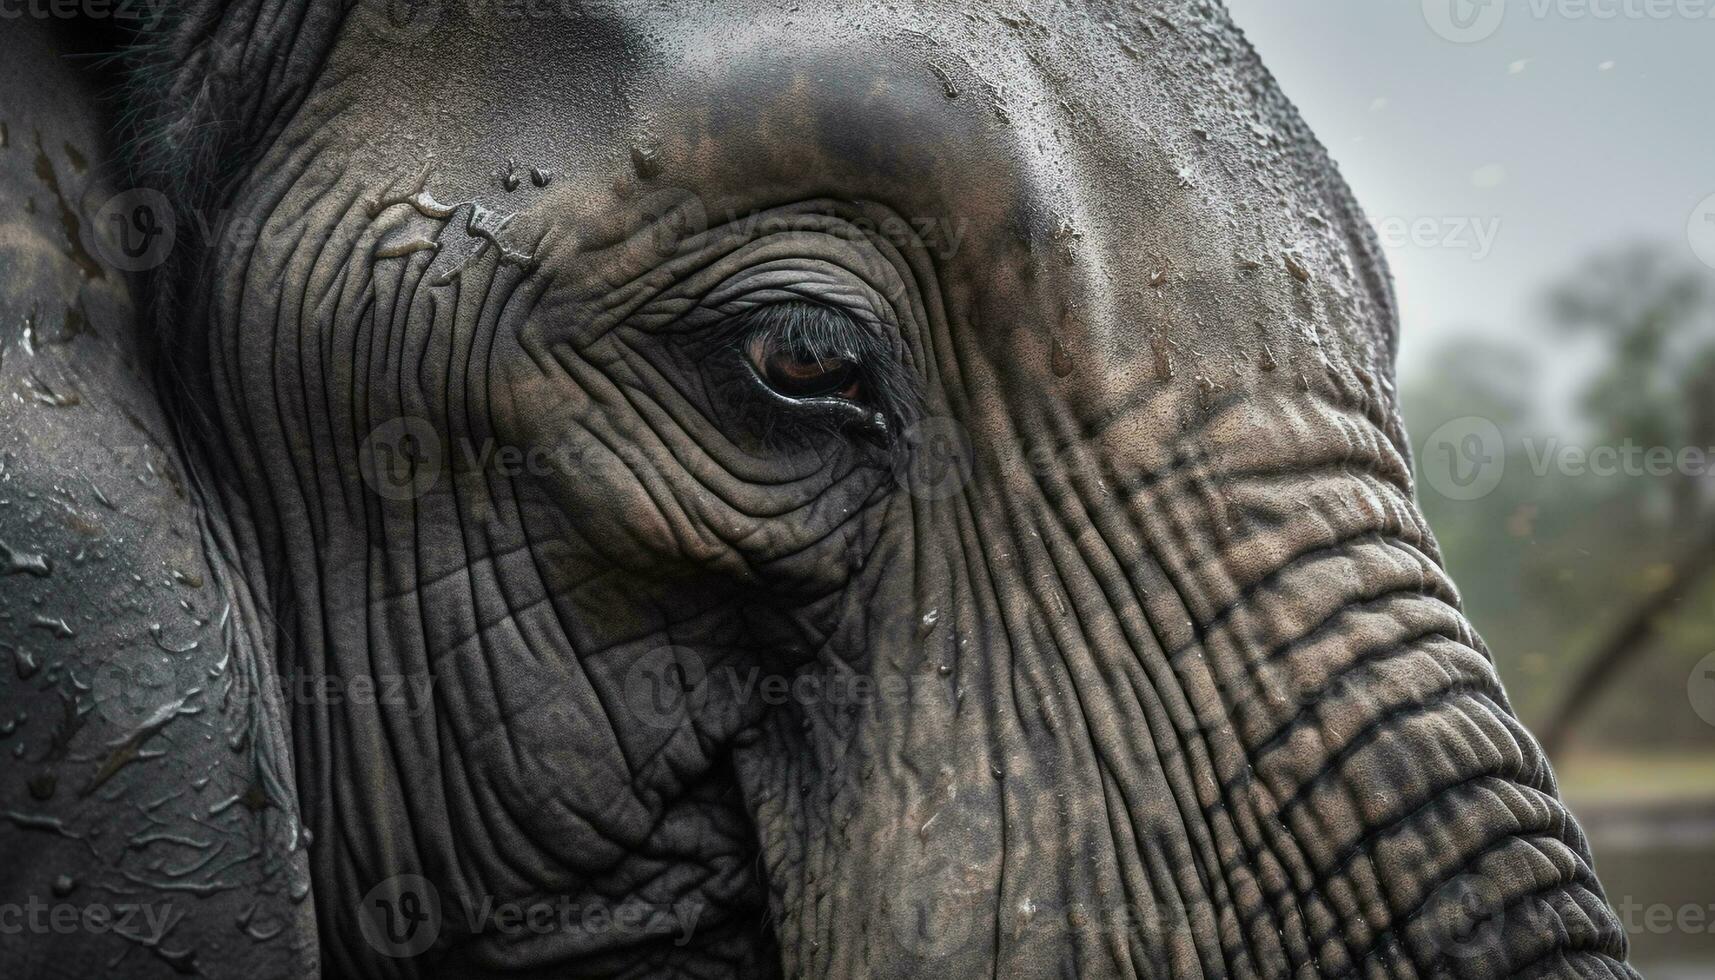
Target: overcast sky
point(1552, 131)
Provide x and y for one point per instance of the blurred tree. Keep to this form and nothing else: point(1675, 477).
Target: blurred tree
point(1575, 576)
point(1654, 315)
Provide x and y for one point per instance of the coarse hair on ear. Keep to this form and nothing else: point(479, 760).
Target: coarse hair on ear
point(205, 86)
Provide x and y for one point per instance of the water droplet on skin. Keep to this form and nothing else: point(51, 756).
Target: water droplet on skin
point(58, 627)
point(14, 562)
point(26, 663)
point(1158, 278)
point(929, 620)
point(1205, 393)
point(646, 162)
point(947, 87)
point(945, 670)
point(1163, 357)
point(63, 885)
point(160, 641)
point(45, 395)
point(1058, 360)
point(408, 245)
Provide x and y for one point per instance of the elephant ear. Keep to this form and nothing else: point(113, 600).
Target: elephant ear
point(148, 816)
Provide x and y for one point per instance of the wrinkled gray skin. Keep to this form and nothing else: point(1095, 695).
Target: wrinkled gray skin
point(1171, 681)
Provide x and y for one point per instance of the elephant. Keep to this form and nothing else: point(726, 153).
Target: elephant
point(753, 488)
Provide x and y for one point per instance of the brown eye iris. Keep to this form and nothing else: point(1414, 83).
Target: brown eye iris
point(798, 373)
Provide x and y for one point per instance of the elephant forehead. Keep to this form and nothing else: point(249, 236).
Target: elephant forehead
point(1071, 167)
point(1033, 124)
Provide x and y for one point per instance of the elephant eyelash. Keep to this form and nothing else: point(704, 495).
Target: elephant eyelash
point(814, 331)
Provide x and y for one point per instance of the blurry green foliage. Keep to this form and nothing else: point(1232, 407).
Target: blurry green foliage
point(1551, 561)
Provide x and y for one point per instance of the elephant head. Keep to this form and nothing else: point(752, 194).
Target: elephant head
point(908, 489)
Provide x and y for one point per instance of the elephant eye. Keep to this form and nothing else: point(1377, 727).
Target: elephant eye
point(796, 370)
point(806, 350)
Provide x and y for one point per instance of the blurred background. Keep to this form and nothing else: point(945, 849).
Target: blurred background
point(1541, 174)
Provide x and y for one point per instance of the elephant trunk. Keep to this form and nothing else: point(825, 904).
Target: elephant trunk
point(1206, 707)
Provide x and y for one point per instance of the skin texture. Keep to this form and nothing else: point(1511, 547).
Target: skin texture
point(1120, 524)
point(147, 777)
